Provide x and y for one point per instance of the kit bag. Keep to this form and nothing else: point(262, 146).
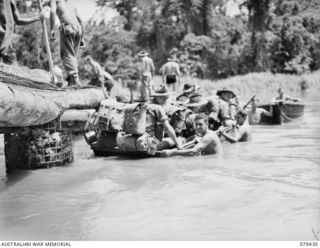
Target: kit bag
point(135, 118)
point(110, 116)
point(133, 143)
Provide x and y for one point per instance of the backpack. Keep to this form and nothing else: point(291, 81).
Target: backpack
point(110, 116)
point(135, 118)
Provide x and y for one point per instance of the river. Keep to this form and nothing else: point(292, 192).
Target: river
point(268, 189)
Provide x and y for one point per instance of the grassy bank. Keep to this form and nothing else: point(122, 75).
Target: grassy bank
point(264, 85)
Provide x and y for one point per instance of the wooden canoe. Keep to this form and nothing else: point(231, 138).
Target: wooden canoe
point(283, 112)
point(106, 146)
point(116, 152)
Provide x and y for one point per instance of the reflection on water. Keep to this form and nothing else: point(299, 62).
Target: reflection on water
point(265, 190)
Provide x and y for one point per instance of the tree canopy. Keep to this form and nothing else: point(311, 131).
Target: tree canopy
point(266, 35)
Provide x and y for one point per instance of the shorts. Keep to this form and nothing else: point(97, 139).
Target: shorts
point(171, 79)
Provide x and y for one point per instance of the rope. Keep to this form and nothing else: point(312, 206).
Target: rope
point(12, 74)
point(22, 81)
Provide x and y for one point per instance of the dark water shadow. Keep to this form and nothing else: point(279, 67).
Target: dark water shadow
point(13, 177)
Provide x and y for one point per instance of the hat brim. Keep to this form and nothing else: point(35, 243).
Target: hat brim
point(189, 90)
point(219, 92)
point(160, 94)
point(172, 60)
point(143, 54)
point(197, 104)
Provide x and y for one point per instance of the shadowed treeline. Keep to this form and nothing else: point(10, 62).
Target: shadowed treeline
point(209, 41)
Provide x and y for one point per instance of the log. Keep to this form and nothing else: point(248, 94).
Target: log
point(24, 106)
point(77, 120)
point(69, 98)
point(21, 109)
point(37, 82)
point(23, 76)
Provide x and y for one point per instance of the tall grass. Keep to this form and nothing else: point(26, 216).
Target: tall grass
point(264, 85)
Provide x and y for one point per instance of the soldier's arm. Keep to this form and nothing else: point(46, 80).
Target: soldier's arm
point(22, 21)
point(153, 70)
point(234, 139)
point(171, 133)
point(290, 98)
point(268, 113)
point(163, 72)
point(79, 18)
point(53, 12)
point(108, 75)
point(230, 138)
point(178, 74)
point(2, 31)
point(188, 152)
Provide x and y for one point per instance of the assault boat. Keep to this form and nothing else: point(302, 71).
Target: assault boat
point(283, 112)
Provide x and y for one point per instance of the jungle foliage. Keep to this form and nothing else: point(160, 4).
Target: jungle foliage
point(268, 35)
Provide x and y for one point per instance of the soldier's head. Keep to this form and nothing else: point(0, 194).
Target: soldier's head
point(142, 54)
point(196, 102)
point(161, 95)
point(88, 59)
point(280, 92)
point(201, 123)
point(226, 94)
point(241, 117)
point(254, 102)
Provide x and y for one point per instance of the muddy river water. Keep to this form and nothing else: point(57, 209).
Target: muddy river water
point(268, 189)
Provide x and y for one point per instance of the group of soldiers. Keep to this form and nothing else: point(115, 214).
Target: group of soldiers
point(190, 124)
point(174, 121)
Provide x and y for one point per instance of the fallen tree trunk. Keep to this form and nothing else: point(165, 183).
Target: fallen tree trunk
point(21, 109)
point(23, 106)
point(77, 120)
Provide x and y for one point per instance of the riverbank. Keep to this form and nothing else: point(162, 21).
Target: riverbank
point(264, 85)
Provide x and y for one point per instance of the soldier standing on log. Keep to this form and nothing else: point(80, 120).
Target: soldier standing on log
point(7, 53)
point(71, 36)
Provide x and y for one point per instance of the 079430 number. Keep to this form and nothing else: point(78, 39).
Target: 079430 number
point(306, 244)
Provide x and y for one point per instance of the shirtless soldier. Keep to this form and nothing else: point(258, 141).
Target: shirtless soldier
point(209, 142)
point(71, 36)
point(7, 53)
point(243, 132)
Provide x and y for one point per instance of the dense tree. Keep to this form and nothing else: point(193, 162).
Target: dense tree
point(276, 35)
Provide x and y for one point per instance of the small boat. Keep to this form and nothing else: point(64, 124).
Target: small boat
point(105, 146)
point(99, 152)
point(283, 112)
